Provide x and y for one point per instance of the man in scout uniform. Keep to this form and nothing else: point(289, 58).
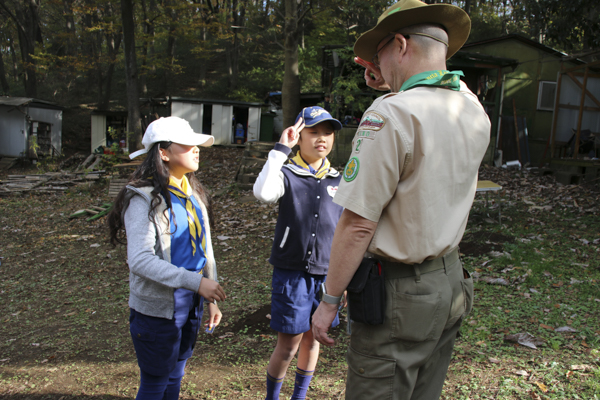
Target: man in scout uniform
point(407, 191)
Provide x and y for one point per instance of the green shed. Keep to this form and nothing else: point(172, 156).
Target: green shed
point(529, 90)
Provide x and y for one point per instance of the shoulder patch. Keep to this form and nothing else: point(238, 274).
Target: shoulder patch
point(358, 144)
point(371, 121)
point(366, 135)
point(351, 170)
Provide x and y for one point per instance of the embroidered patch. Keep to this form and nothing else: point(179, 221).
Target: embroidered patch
point(366, 134)
point(357, 147)
point(332, 190)
point(351, 170)
point(372, 121)
point(316, 113)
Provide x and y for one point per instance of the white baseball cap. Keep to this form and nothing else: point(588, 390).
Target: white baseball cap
point(172, 129)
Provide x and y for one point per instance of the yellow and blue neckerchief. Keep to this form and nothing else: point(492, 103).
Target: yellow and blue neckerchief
point(319, 173)
point(196, 232)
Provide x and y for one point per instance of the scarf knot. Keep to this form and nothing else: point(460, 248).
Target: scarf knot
point(319, 173)
point(184, 193)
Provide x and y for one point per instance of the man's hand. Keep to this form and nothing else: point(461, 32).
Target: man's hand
point(373, 76)
point(211, 290)
point(321, 321)
point(290, 135)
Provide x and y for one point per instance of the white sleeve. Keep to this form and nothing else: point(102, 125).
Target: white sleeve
point(269, 186)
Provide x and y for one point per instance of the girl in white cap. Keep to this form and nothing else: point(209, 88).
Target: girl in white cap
point(164, 214)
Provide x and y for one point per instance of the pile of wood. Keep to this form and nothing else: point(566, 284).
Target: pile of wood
point(49, 182)
point(95, 212)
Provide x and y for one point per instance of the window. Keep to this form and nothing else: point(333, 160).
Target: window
point(546, 95)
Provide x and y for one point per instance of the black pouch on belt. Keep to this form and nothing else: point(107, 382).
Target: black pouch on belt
point(366, 293)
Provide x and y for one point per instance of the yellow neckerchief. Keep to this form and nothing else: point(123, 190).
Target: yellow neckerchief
point(185, 192)
point(323, 169)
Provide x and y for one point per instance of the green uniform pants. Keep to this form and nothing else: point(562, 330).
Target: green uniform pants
point(407, 357)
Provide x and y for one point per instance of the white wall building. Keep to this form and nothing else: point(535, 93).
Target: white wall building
point(29, 127)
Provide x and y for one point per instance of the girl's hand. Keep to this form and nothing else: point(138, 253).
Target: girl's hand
point(373, 76)
point(344, 302)
point(290, 135)
point(211, 290)
point(214, 316)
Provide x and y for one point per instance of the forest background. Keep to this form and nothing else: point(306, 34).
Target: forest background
point(107, 54)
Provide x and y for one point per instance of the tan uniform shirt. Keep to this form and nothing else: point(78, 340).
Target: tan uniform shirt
point(413, 170)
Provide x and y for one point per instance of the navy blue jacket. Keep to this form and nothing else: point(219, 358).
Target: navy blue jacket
point(307, 214)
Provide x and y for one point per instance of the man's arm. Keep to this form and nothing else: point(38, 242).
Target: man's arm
point(350, 242)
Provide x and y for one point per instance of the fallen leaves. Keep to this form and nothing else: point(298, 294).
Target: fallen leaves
point(525, 339)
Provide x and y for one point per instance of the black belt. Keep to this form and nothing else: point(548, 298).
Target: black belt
point(398, 270)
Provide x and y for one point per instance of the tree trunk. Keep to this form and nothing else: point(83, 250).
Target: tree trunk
point(133, 100)
point(15, 64)
point(290, 91)
point(113, 43)
point(27, 22)
point(170, 51)
point(233, 53)
point(3, 80)
point(69, 48)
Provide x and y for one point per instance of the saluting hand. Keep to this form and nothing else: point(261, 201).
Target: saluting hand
point(373, 76)
point(290, 135)
point(211, 290)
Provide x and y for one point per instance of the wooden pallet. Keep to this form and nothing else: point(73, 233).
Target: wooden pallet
point(7, 162)
point(254, 158)
point(115, 186)
point(48, 182)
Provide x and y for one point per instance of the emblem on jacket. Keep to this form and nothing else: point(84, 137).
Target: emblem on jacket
point(331, 190)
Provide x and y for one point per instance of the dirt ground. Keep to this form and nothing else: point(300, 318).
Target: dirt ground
point(64, 332)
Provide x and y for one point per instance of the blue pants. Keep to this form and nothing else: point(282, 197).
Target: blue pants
point(163, 345)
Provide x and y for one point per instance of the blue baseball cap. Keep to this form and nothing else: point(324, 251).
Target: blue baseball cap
point(315, 115)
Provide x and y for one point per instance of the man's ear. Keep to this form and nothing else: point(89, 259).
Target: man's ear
point(163, 155)
point(402, 44)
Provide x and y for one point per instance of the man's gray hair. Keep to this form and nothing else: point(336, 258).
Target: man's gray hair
point(431, 37)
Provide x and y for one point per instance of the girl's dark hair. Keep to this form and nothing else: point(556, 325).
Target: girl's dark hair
point(152, 172)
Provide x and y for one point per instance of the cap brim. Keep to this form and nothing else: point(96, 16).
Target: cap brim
point(454, 19)
point(337, 125)
point(197, 139)
point(137, 153)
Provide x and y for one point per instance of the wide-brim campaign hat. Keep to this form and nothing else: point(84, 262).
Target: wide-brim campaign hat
point(315, 115)
point(406, 13)
point(172, 129)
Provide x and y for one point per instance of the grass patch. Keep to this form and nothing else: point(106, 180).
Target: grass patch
point(64, 332)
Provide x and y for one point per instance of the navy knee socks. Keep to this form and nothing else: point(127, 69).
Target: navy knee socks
point(273, 387)
point(303, 379)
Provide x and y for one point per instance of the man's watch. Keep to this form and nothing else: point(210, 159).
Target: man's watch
point(328, 298)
